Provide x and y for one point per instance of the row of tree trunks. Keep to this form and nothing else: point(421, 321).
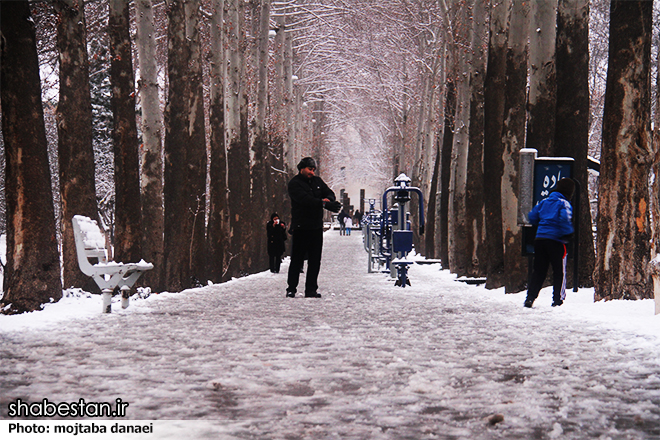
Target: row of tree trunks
point(32, 273)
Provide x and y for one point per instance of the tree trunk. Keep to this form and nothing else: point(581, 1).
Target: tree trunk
point(572, 120)
point(261, 167)
point(238, 153)
point(32, 274)
point(128, 215)
point(474, 188)
point(494, 99)
point(627, 156)
point(152, 150)
point(445, 171)
point(542, 80)
point(513, 139)
point(459, 259)
point(218, 226)
point(185, 152)
point(74, 128)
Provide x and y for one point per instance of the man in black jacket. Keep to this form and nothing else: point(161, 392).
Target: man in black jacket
point(309, 195)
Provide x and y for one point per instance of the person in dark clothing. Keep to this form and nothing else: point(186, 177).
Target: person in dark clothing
point(341, 220)
point(309, 195)
point(553, 216)
point(276, 232)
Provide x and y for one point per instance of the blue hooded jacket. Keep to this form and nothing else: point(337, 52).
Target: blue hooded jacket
point(554, 217)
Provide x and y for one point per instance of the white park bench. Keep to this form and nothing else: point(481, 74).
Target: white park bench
point(90, 245)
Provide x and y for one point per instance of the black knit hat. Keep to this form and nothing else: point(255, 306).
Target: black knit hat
point(306, 162)
point(566, 187)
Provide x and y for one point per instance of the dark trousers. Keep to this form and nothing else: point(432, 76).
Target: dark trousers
point(310, 244)
point(548, 253)
point(274, 262)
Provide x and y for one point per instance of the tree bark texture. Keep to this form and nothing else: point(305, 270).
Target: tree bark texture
point(218, 223)
point(513, 139)
point(572, 120)
point(185, 152)
point(474, 188)
point(623, 244)
point(542, 78)
point(494, 99)
point(445, 170)
point(74, 134)
point(32, 274)
point(128, 209)
point(238, 148)
point(459, 258)
point(152, 149)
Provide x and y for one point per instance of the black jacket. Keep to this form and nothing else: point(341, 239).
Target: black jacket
point(276, 237)
point(307, 202)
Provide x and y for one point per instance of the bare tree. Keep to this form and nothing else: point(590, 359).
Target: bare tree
point(152, 150)
point(474, 197)
point(513, 139)
point(185, 152)
point(494, 101)
point(542, 77)
point(32, 275)
point(623, 243)
point(572, 120)
point(74, 126)
point(218, 223)
point(128, 209)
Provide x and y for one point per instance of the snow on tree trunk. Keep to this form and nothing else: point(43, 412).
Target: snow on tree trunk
point(185, 152)
point(218, 223)
point(74, 128)
point(513, 139)
point(494, 99)
point(474, 198)
point(128, 209)
point(542, 78)
point(623, 244)
point(152, 150)
point(572, 120)
point(32, 273)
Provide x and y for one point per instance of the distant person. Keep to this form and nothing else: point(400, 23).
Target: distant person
point(348, 224)
point(276, 232)
point(309, 195)
point(358, 218)
point(341, 220)
point(553, 216)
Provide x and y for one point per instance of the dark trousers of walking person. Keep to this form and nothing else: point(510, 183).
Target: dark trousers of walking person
point(306, 243)
point(548, 253)
point(274, 262)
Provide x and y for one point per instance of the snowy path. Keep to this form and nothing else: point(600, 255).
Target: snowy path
point(367, 361)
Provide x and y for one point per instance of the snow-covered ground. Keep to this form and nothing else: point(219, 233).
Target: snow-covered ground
point(439, 359)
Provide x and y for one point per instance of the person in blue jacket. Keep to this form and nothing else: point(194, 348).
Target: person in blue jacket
point(554, 218)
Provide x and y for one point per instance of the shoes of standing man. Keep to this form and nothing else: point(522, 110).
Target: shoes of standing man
point(528, 303)
point(313, 295)
point(290, 294)
point(557, 303)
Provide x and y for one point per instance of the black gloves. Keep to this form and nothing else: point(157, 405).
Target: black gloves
point(333, 206)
